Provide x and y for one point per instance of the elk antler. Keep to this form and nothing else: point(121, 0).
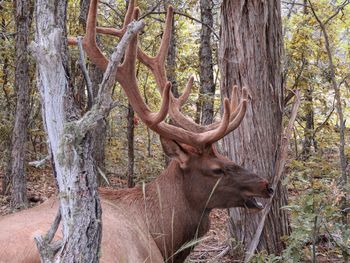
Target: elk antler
point(189, 132)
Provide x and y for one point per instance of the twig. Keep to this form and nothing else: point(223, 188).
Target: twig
point(188, 16)
point(46, 247)
point(39, 163)
point(220, 255)
point(279, 171)
point(318, 128)
point(151, 10)
point(85, 72)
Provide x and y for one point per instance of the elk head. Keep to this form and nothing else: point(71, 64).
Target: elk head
point(207, 174)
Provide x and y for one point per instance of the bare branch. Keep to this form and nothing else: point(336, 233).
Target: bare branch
point(85, 72)
point(185, 15)
point(104, 101)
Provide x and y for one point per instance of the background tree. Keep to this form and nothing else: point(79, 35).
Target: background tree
point(205, 104)
point(23, 14)
point(99, 134)
point(250, 55)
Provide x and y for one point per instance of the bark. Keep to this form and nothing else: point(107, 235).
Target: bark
point(205, 104)
point(99, 133)
point(309, 125)
point(69, 137)
point(76, 176)
point(5, 136)
point(250, 54)
point(131, 152)
point(171, 58)
point(24, 12)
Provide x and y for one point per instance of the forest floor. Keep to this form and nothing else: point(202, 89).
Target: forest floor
point(214, 246)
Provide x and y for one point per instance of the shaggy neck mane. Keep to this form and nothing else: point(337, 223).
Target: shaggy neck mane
point(172, 220)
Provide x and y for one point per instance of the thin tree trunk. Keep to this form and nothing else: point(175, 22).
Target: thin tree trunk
point(6, 182)
point(24, 12)
point(309, 111)
point(131, 152)
point(339, 107)
point(171, 58)
point(99, 133)
point(309, 125)
point(250, 54)
point(205, 104)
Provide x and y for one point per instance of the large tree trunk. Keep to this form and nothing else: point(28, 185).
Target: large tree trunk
point(70, 144)
point(24, 12)
point(205, 104)
point(250, 54)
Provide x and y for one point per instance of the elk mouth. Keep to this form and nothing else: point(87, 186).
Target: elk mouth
point(252, 203)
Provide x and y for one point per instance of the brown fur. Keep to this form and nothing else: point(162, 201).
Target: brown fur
point(150, 223)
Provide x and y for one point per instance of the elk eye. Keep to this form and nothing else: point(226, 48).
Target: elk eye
point(217, 171)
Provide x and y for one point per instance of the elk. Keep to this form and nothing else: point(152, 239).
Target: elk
point(151, 223)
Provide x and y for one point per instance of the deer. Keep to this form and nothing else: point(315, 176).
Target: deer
point(155, 221)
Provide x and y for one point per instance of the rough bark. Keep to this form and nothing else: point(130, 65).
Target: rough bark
point(309, 124)
point(99, 133)
point(23, 16)
point(250, 53)
point(5, 135)
point(131, 152)
point(171, 58)
point(76, 176)
point(205, 104)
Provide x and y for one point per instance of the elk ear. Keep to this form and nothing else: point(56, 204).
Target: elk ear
point(174, 151)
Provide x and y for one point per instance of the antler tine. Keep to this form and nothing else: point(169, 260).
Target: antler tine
point(218, 133)
point(187, 123)
point(234, 98)
point(198, 140)
point(89, 40)
point(196, 135)
point(127, 79)
point(183, 98)
point(131, 14)
point(157, 63)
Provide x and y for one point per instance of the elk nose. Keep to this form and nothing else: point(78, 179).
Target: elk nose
point(270, 190)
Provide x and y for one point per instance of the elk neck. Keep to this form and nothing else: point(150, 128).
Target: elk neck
point(173, 219)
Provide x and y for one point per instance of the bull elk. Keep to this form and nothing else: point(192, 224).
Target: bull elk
point(152, 223)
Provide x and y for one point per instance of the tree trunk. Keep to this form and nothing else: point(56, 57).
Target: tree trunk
point(70, 144)
point(309, 124)
point(6, 134)
point(24, 12)
point(171, 58)
point(205, 104)
point(131, 152)
point(99, 133)
point(250, 54)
